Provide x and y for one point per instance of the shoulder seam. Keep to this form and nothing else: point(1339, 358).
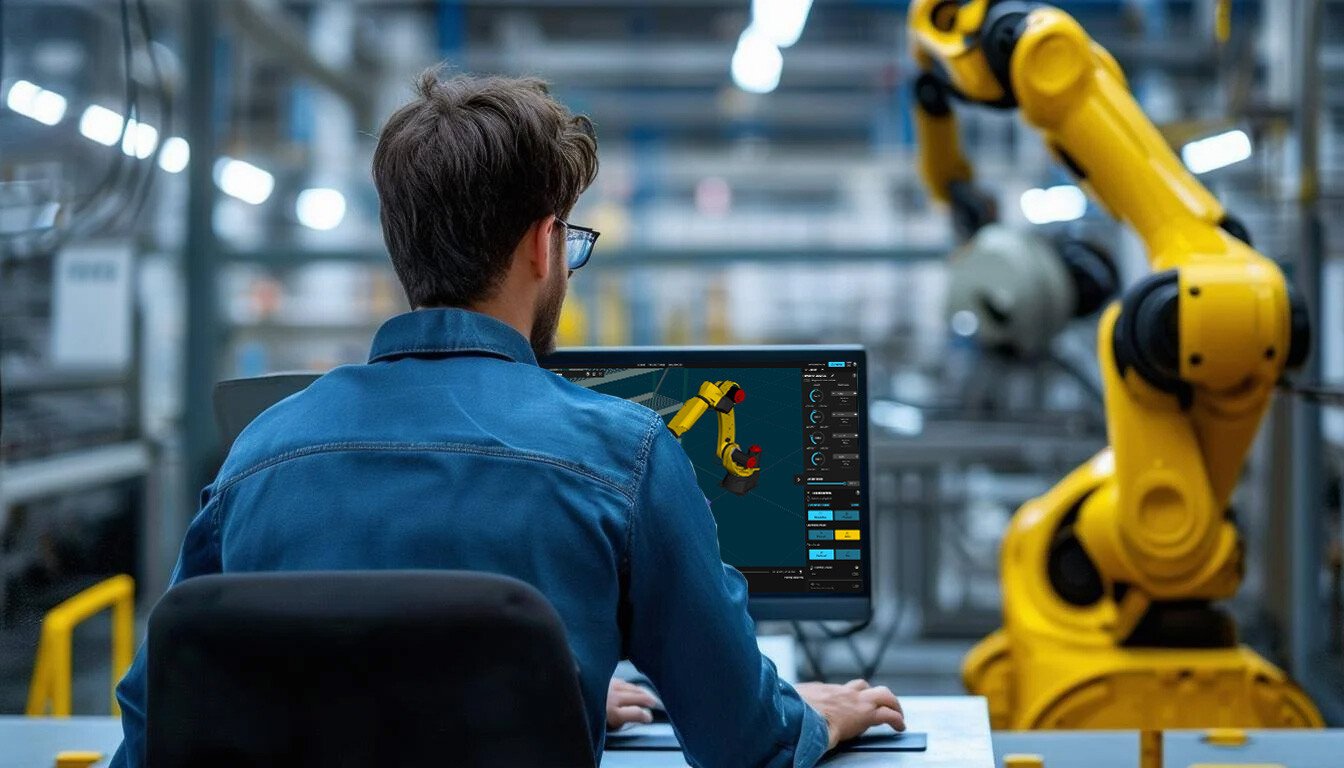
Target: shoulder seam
point(217, 499)
point(641, 469)
point(431, 447)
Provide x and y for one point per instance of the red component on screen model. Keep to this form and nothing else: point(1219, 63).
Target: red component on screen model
point(752, 462)
point(739, 395)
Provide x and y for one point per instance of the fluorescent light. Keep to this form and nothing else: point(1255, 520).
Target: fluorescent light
point(320, 208)
point(100, 124)
point(244, 181)
point(900, 418)
point(46, 107)
point(104, 126)
point(781, 21)
point(1216, 152)
point(174, 155)
point(139, 140)
point(1047, 206)
point(757, 63)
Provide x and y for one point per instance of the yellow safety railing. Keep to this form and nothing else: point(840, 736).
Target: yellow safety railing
point(50, 692)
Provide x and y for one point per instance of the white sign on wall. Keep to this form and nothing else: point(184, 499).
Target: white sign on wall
point(91, 307)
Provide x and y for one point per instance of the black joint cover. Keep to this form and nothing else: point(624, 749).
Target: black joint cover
point(971, 208)
point(1096, 280)
point(932, 95)
point(726, 403)
point(1147, 334)
point(1233, 226)
point(1299, 334)
point(1002, 28)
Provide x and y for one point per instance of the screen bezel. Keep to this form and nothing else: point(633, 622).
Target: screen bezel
point(774, 606)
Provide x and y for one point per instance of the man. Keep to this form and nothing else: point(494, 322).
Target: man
point(452, 449)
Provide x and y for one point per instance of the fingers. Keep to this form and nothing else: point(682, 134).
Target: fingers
point(857, 685)
point(617, 684)
point(889, 716)
point(622, 693)
point(623, 715)
point(881, 696)
point(637, 698)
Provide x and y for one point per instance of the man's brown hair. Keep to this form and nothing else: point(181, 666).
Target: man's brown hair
point(462, 172)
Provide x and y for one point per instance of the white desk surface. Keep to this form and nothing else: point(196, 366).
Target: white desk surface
point(958, 729)
point(32, 742)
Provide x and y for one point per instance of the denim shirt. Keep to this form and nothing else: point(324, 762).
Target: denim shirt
point(451, 448)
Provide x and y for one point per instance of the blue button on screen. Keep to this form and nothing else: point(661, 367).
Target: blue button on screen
point(821, 554)
point(836, 365)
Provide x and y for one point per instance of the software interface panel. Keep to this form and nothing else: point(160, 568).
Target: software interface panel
point(789, 515)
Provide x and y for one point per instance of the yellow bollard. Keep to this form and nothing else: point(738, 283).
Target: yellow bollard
point(50, 691)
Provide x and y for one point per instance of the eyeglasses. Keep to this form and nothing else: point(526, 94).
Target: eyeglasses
point(578, 244)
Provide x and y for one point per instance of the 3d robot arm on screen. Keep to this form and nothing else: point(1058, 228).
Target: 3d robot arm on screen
point(1109, 578)
point(722, 396)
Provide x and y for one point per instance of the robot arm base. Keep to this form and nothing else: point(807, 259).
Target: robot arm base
point(740, 485)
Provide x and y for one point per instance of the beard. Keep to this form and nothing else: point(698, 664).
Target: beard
point(546, 320)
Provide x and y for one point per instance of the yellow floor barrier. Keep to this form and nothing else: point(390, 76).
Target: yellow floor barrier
point(51, 689)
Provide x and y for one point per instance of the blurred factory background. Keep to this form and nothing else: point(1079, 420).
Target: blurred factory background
point(753, 189)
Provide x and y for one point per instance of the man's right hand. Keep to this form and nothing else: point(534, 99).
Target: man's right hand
point(852, 708)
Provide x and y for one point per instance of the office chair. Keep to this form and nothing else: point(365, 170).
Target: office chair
point(361, 668)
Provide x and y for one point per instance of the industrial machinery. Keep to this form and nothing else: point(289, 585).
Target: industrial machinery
point(1014, 290)
point(743, 466)
point(1109, 578)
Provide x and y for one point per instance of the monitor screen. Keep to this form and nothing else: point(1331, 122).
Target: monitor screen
point(778, 442)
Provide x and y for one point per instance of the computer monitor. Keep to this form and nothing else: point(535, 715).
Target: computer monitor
point(799, 532)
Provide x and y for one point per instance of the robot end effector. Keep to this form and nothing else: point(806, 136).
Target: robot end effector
point(1013, 290)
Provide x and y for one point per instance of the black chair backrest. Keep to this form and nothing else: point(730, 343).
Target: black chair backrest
point(361, 668)
point(239, 401)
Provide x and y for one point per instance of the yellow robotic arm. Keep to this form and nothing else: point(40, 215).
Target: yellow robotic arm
point(1109, 578)
point(743, 466)
point(944, 168)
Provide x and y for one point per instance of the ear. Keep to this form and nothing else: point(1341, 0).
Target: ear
point(540, 257)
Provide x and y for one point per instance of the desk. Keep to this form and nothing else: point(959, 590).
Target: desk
point(32, 742)
point(1069, 749)
point(958, 728)
point(1288, 747)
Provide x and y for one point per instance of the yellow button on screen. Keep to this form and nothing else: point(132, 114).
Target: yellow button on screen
point(851, 534)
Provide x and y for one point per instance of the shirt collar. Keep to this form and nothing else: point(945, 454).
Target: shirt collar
point(430, 332)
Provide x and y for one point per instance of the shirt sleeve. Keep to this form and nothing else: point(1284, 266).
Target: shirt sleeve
point(690, 633)
point(199, 556)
